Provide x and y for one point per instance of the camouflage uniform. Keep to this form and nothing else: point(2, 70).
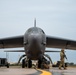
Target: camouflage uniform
point(62, 61)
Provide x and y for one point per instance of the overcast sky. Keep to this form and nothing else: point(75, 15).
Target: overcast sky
point(56, 17)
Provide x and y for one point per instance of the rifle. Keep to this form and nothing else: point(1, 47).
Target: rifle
point(65, 56)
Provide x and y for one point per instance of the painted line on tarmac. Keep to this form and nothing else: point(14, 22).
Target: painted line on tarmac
point(44, 72)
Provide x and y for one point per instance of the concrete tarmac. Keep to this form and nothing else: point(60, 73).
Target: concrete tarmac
point(26, 71)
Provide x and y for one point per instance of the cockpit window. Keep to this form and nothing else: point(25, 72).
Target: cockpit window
point(32, 30)
point(35, 30)
point(43, 31)
point(29, 30)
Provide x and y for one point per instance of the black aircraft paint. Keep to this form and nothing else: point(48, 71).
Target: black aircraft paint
point(34, 43)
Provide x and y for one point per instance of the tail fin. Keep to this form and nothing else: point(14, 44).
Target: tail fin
point(35, 22)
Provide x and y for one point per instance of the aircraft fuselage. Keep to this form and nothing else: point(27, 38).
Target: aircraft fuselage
point(34, 43)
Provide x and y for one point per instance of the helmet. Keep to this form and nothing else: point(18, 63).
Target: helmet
point(62, 50)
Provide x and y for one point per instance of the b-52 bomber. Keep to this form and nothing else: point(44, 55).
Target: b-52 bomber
point(34, 42)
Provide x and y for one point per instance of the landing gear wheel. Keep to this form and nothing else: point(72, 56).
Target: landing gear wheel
point(39, 63)
point(29, 63)
point(7, 65)
point(23, 63)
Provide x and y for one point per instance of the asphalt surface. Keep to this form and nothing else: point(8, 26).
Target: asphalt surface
point(26, 71)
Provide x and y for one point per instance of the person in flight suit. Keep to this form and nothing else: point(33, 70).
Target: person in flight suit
point(62, 59)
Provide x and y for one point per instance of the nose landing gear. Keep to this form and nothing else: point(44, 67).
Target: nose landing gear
point(44, 63)
point(25, 62)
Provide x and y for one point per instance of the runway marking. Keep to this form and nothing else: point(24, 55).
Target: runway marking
point(44, 72)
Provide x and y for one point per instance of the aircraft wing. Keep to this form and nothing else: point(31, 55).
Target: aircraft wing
point(14, 51)
point(12, 42)
point(54, 42)
point(51, 51)
point(24, 51)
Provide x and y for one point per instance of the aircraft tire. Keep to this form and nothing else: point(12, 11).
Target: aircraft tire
point(23, 63)
point(29, 63)
point(7, 65)
point(39, 63)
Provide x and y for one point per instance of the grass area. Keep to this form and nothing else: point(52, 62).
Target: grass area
point(72, 66)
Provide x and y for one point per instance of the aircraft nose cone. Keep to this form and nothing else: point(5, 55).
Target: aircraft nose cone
point(34, 38)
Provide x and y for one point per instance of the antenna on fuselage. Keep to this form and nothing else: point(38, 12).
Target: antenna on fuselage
point(35, 22)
